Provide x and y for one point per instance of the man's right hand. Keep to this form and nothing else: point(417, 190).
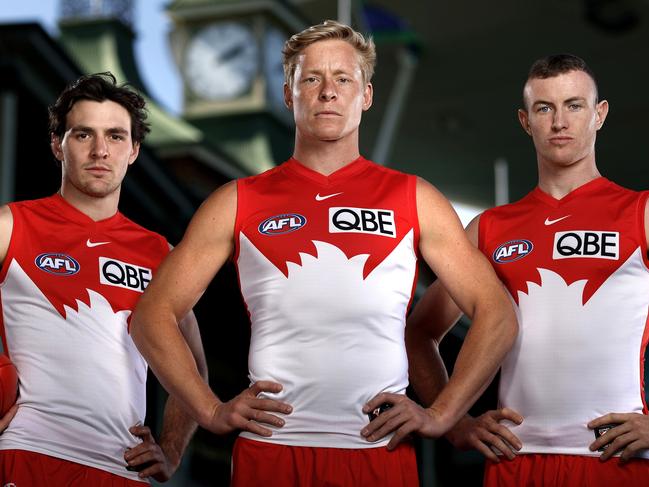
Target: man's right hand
point(246, 411)
point(6, 419)
point(485, 433)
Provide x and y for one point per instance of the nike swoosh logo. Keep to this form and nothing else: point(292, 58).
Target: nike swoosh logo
point(552, 222)
point(95, 244)
point(326, 197)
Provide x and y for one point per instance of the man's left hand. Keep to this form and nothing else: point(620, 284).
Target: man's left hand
point(630, 435)
point(148, 458)
point(404, 417)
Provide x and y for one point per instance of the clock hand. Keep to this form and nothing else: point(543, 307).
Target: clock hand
point(231, 53)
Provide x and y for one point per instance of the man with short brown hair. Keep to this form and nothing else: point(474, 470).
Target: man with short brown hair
point(573, 255)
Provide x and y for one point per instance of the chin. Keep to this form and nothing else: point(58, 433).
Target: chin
point(98, 191)
point(327, 136)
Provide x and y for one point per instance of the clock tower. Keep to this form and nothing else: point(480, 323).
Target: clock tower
point(230, 59)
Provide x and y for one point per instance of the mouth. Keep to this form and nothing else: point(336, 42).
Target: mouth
point(98, 170)
point(327, 113)
point(560, 140)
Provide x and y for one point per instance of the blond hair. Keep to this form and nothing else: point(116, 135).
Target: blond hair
point(329, 30)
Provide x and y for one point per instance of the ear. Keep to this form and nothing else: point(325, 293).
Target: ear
point(288, 97)
point(524, 119)
point(134, 153)
point(368, 96)
point(601, 111)
point(55, 145)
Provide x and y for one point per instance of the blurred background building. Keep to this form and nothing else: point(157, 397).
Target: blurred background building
point(447, 87)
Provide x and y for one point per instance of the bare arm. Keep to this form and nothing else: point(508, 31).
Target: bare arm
point(160, 460)
point(177, 426)
point(430, 320)
point(180, 281)
point(432, 317)
point(473, 285)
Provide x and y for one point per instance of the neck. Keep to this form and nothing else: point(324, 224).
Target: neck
point(558, 181)
point(95, 207)
point(325, 157)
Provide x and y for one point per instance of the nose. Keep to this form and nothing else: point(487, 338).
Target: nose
point(327, 90)
point(559, 121)
point(100, 148)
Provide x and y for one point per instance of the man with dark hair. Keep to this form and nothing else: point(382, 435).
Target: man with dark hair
point(326, 249)
point(79, 416)
point(573, 255)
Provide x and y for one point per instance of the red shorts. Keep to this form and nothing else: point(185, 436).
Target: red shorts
point(261, 464)
point(538, 470)
point(26, 468)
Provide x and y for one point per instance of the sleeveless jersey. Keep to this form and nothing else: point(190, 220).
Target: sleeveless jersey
point(327, 267)
point(67, 288)
point(577, 270)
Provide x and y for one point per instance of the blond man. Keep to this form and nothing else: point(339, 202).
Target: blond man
point(326, 247)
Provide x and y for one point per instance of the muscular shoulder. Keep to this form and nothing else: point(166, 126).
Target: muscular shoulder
point(222, 200)
point(435, 214)
point(213, 222)
point(429, 198)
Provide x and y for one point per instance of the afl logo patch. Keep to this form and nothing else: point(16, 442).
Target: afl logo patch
point(59, 264)
point(512, 250)
point(280, 224)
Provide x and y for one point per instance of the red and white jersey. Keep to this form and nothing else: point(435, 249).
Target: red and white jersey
point(327, 267)
point(577, 270)
point(67, 288)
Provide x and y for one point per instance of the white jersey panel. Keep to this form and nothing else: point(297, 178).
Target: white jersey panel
point(333, 338)
point(562, 338)
point(74, 372)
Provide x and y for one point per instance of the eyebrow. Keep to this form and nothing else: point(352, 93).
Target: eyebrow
point(111, 130)
point(568, 101)
point(320, 72)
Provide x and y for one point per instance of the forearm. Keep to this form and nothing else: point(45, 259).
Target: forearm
point(177, 430)
point(430, 320)
point(489, 339)
point(427, 371)
point(160, 341)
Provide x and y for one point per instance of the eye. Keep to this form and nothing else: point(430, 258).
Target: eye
point(117, 137)
point(574, 106)
point(344, 80)
point(310, 79)
point(543, 109)
point(83, 135)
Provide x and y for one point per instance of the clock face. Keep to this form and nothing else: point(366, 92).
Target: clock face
point(221, 61)
point(274, 40)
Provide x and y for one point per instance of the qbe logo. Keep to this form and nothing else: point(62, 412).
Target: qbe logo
point(280, 224)
point(113, 272)
point(362, 220)
point(586, 244)
point(55, 263)
point(512, 250)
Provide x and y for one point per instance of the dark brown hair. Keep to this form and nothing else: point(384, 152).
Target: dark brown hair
point(99, 87)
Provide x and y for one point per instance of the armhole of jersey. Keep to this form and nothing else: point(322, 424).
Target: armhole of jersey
point(238, 219)
point(412, 200)
point(15, 230)
point(642, 203)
